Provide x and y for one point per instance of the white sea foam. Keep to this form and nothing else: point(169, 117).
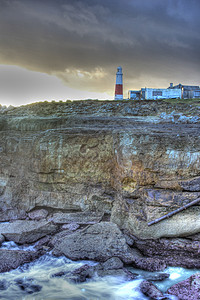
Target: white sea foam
point(40, 273)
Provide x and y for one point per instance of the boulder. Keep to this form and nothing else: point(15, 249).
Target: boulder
point(77, 217)
point(112, 267)
point(151, 291)
point(97, 242)
point(82, 273)
point(12, 259)
point(187, 289)
point(38, 214)
point(25, 231)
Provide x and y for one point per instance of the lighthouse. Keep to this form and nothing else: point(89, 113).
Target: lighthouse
point(119, 84)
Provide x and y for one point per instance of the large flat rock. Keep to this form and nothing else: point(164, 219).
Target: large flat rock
point(98, 242)
point(182, 224)
point(24, 231)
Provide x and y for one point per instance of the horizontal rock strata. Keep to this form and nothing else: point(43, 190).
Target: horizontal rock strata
point(78, 218)
point(23, 231)
point(70, 165)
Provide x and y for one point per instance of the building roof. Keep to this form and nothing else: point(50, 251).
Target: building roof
point(185, 87)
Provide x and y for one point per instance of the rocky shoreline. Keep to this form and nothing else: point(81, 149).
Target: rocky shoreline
point(84, 180)
point(90, 238)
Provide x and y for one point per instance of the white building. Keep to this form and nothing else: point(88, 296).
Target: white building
point(188, 91)
point(172, 92)
point(154, 94)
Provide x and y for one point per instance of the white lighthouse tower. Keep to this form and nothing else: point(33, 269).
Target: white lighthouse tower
point(119, 84)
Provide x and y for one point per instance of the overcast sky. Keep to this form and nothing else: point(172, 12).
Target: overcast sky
point(70, 49)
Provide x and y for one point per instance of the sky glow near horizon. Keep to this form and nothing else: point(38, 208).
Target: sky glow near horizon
point(19, 86)
point(70, 49)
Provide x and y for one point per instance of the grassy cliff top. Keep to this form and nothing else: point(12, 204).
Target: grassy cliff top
point(189, 107)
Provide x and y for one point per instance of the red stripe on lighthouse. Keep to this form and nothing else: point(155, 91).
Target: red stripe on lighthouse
point(118, 89)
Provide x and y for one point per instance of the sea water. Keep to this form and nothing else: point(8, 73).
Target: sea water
point(41, 273)
point(176, 274)
point(37, 281)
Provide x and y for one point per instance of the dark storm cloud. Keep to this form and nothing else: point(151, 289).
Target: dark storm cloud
point(152, 37)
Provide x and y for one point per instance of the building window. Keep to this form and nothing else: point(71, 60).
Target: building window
point(157, 93)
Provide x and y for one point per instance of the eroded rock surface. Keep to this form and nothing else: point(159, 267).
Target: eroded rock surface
point(187, 289)
point(172, 252)
point(150, 264)
point(97, 242)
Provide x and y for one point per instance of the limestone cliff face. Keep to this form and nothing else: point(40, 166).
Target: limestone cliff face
point(123, 159)
point(158, 172)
